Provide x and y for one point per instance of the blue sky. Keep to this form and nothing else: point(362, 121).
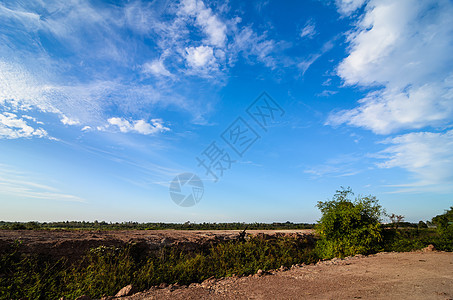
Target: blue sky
point(103, 104)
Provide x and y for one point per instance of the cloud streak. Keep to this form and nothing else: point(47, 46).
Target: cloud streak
point(20, 184)
point(402, 49)
point(427, 155)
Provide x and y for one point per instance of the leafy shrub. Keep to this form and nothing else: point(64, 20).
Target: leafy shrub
point(349, 227)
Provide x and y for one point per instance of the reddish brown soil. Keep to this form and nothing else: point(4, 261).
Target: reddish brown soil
point(413, 275)
point(75, 243)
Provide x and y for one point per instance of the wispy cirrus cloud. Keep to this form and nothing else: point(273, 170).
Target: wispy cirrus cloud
point(307, 62)
point(25, 185)
point(427, 155)
point(72, 58)
point(341, 166)
point(309, 30)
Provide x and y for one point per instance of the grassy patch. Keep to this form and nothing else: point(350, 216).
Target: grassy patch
point(105, 270)
point(403, 240)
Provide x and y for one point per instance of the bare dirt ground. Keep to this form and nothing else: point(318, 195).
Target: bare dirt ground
point(413, 275)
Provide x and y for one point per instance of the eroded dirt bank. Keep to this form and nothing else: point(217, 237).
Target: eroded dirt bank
point(75, 243)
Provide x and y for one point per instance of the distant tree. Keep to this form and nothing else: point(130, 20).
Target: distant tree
point(444, 224)
point(422, 224)
point(444, 219)
point(396, 220)
point(33, 226)
point(18, 226)
point(349, 227)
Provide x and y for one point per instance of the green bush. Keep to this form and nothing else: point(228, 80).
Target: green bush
point(349, 227)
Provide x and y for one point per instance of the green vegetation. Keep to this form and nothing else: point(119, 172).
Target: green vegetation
point(105, 270)
point(407, 238)
point(349, 227)
point(82, 225)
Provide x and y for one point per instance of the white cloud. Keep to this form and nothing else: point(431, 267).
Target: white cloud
point(309, 30)
point(139, 126)
point(97, 74)
point(210, 23)
point(428, 155)
point(346, 7)
point(404, 48)
point(251, 44)
point(200, 57)
point(156, 67)
point(79, 104)
point(68, 121)
point(326, 93)
point(387, 111)
point(12, 127)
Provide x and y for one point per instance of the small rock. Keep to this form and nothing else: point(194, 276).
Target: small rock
point(163, 285)
point(174, 286)
point(83, 297)
point(283, 268)
point(165, 242)
point(429, 248)
point(128, 290)
point(260, 272)
point(209, 282)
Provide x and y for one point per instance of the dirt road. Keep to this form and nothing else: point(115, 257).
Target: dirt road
point(413, 275)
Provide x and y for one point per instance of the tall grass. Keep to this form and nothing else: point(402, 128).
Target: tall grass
point(105, 270)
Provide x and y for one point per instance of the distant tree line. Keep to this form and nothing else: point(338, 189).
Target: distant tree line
point(102, 225)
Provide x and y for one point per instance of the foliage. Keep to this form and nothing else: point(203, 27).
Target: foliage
point(105, 270)
point(396, 220)
point(83, 225)
point(444, 224)
point(422, 224)
point(415, 239)
point(349, 227)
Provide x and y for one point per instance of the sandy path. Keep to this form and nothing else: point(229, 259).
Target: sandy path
point(413, 275)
